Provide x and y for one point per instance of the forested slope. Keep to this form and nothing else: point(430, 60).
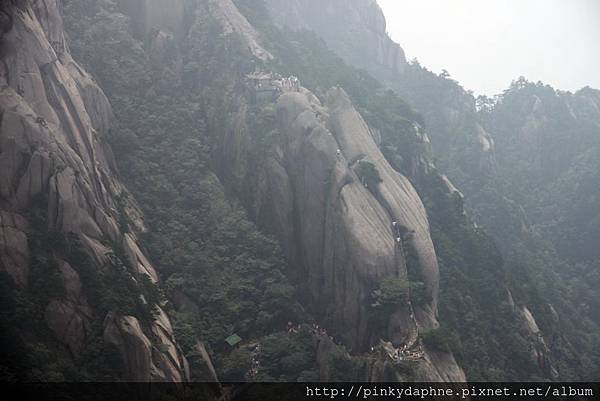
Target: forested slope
point(235, 180)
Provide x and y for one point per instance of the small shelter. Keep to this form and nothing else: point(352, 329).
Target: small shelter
point(263, 86)
point(233, 340)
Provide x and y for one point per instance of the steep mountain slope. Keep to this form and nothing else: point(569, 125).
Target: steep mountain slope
point(74, 276)
point(535, 136)
point(405, 146)
point(337, 226)
point(356, 31)
point(547, 161)
point(364, 43)
point(222, 106)
point(546, 138)
point(278, 189)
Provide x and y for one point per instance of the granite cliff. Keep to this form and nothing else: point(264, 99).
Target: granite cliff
point(284, 198)
point(463, 142)
point(343, 234)
point(58, 180)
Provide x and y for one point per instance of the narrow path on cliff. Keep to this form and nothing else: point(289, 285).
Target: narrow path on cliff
point(399, 257)
point(396, 232)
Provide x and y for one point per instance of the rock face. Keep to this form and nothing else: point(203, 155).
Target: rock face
point(152, 15)
point(153, 21)
point(355, 30)
point(232, 21)
point(539, 349)
point(69, 323)
point(142, 360)
point(70, 318)
point(395, 193)
point(56, 163)
point(336, 229)
point(163, 28)
point(469, 147)
point(14, 256)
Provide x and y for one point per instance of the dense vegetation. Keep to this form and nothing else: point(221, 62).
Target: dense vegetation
point(535, 273)
point(205, 247)
point(208, 251)
point(547, 152)
point(534, 195)
point(33, 352)
point(474, 277)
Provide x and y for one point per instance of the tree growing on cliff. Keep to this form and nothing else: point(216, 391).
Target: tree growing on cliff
point(391, 292)
point(368, 174)
point(441, 339)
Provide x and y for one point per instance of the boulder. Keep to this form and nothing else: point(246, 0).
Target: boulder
point(142, 361)
point(135, 349)
point(67, 323)
point(200, 350)
point(336, 231)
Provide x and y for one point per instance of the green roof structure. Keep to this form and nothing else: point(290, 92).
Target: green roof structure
point(233, 340)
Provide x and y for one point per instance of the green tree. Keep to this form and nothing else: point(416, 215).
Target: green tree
point(368, 174)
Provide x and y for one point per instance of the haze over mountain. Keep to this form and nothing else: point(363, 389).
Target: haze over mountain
point(267, 190)
point(487, 44)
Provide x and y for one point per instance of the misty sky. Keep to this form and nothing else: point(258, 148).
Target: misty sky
point(485, 44)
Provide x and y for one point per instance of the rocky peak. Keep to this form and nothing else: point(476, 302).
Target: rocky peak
point(343, 234)
point(356, 30)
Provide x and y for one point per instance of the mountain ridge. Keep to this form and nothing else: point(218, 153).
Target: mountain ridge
point(221, 176)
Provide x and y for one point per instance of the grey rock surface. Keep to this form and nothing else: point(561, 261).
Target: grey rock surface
point(356, 30)
point(55, 160)
point(336, 231)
